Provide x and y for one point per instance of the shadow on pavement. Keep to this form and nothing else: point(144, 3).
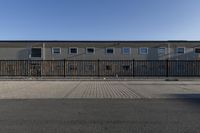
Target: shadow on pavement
point(96, 115)
point(193, 99)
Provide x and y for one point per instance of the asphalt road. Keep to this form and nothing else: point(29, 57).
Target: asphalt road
point(100, 116)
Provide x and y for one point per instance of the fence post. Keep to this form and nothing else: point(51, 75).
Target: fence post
point(64, 67)
point(41, 67)
point(28, 68)
point(98, 61)
point(133, 67)
point(167, 68)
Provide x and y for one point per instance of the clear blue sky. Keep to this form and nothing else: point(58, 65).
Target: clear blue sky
point(99, 19)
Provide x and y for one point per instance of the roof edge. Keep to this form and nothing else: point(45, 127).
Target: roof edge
point(99, 41)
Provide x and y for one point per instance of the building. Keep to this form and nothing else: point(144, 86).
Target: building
point(102, 50)
point(99, 58)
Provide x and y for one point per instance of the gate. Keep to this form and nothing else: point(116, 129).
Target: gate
point(35, 69)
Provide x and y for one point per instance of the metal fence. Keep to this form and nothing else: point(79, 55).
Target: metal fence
point(100, 68)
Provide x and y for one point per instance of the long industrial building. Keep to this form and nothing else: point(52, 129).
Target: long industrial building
point(100, 58)
point(102, 50)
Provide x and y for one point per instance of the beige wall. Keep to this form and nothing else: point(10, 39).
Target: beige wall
point(13, 53)
point(118, 55)
point(21, 50)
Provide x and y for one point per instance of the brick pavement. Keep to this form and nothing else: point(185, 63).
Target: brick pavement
point(96, 89)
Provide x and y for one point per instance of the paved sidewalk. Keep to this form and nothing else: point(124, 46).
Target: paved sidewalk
point(98, 89)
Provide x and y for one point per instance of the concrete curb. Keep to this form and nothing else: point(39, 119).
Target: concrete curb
point(102, 79)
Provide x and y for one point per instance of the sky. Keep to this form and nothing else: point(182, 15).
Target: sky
point(99, 19)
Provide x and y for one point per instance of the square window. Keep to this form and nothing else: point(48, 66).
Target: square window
point(180, 50)
point(73, 50)
point(126, 50)
point(36, 52)
point(90, 50)
point(161, 50)
point(56, 50)
point(143, 50)
point(109, 50)
point(197, 50)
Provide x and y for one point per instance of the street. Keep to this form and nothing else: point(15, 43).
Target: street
point(133, 113)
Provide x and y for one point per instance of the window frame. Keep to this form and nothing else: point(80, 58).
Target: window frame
point(140, 49)
point(126, 53)
point(165, 52)
point(73, 48)
point(179, 48)
point(90, 48)
point(110, 48)
point(36, 48)
point(195, 50)
point(55, 48)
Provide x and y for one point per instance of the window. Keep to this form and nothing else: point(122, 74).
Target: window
point(36, 52)
point(109, 50)
point(161, 50)
point(56, 50)
point(126, 67)
point(73, 50)
point(197, 50)
point(143, 50)
point(126, 50)
point(180, 50)
point(90, 50)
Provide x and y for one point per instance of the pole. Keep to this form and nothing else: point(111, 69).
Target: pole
point(64, 68)
point(167, 68)
point(98, 61)
point(133, 67)
point(169, 51)
point(43, 53)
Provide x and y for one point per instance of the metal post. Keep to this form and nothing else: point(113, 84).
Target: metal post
point(167, 68)
point(98, 61)
point(133, 67)
point(43, 51)
point(28, 68)
point(64, 68)
point(169, 51)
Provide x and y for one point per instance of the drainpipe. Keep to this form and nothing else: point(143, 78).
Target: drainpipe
point(43, 51)
point(169, 52)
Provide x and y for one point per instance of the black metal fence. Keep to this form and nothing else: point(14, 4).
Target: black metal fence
point(131, 68)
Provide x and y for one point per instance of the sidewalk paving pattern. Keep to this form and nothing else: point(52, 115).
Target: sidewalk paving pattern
point(97, 89)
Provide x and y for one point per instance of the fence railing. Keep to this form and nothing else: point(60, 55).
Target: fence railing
point(131, 68)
